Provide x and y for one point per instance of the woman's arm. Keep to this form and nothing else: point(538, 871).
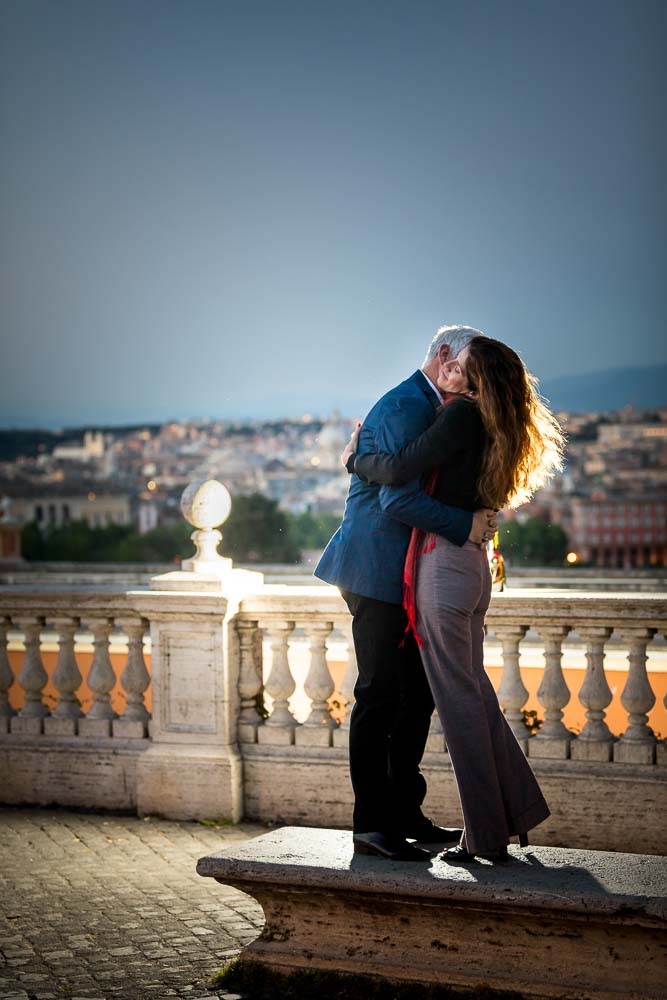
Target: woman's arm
point(452, 431)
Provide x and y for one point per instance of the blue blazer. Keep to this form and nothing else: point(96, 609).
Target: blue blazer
point(367, 553)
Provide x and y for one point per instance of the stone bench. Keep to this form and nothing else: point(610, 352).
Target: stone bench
point(550, 923)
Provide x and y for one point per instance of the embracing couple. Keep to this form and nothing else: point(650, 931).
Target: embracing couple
point(433, 462)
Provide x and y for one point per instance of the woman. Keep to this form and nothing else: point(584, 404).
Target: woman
point(492, 444)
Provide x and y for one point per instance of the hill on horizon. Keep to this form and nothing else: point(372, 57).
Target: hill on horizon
point(644, 388)
point(612, 389)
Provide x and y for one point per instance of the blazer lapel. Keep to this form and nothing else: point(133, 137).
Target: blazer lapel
point(426, 388)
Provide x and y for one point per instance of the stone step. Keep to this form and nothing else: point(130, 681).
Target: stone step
point(551, 922)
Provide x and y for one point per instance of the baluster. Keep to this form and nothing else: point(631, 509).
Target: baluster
point(319, 686)
point(435, 741)
point(341, 736)
point(133, 723)
point(513, 693)
point(637, 744)
point(101, 680)
point(661, 748)
point(6, 678)
point(553, 739)
point(250, 679)
point(595, 742)
point(279, 728)
point(32, 678)
point(66, 680)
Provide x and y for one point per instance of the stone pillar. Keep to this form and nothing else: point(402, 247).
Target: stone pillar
point(341, 736)
point(32, 678)
point(66, 680)
point(435, 741)
point(512, 693)
point(637, 744)
point(193, 768)
point(6, 678)
point(319, 686)
point(280, 725)
point(553, 739)
point(250, 679)
point(101, 681)
point(135, 680)
point(661, 748)
point(595, 741)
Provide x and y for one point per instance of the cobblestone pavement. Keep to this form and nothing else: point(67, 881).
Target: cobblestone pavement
point(103, 906)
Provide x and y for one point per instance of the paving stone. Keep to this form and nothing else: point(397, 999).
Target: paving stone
point(94, 907)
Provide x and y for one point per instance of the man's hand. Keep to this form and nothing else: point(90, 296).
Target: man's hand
point(351, 446)
point(484, 526)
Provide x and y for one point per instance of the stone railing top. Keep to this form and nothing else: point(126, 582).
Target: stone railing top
point(544, 878)
point(535, 607)
point(79, 601)
point(520, 606)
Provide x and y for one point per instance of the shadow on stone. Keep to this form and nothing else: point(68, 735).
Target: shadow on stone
point(255, 981)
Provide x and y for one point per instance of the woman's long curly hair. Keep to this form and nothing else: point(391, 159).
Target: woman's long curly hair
point(525, 441)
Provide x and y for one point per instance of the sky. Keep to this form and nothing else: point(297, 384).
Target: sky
point(236, 208)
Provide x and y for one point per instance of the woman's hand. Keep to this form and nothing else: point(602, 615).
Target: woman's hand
point(351, 446)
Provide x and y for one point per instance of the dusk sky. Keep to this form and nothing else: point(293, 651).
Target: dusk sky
point(244, 209)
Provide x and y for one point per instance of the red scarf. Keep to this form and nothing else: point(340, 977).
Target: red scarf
point(421, 543)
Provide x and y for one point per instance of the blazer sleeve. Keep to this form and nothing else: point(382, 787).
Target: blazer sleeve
point(400, 421)
point(452, 431)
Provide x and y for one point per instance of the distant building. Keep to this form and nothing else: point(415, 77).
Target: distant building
point(330, 443)
point(91, 450)
point(10, 532)
point(51, 509)
point(146, 517)
point(620, 532)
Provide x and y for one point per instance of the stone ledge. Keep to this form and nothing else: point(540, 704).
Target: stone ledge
point(570, 768)
point(552, 922)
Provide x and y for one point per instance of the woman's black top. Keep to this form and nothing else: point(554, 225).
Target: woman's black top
point(454, 444)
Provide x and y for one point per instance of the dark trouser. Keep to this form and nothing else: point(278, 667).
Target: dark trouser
point(390, 719)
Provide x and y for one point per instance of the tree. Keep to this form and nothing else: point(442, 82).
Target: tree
point(32, 542)
point(258, 531)
point(78, 542)
point(533, 543)
point(166, 543)
point(313, 531)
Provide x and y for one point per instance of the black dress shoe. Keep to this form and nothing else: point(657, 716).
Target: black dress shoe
point(426, 832)
point(384, 845)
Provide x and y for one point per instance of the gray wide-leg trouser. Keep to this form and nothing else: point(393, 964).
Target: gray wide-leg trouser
point(499, 793)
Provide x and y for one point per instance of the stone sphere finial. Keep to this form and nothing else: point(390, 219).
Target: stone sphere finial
point(205, 505)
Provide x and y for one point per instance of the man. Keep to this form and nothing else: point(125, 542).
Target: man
point(364, 559)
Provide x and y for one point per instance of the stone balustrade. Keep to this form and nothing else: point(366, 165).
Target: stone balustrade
point(252, 685)
point(90, 619)
point(633, 620)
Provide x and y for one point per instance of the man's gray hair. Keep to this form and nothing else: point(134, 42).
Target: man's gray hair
point(456, 338)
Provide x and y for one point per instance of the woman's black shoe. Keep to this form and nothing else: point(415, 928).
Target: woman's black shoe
point(460, 854)
point(392, 848)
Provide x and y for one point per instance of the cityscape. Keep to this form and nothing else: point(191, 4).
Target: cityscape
point(610, 501)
